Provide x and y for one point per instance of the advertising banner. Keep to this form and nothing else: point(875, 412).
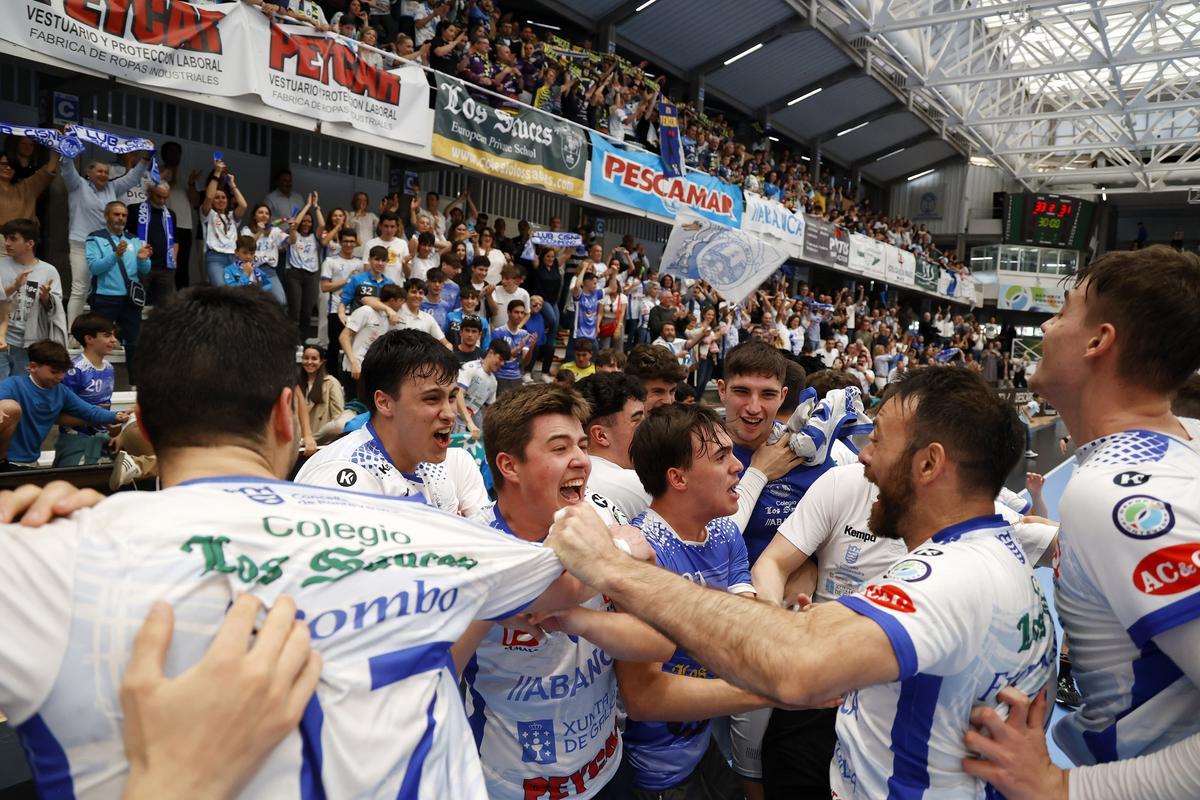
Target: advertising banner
point(636, 179)
point(825, 243)
point(733, 261)
point(772, 219)
point(927, 273)
point(528, 146)
point(227, 51)
point(1044, 299)
point(901, 266)
point(868, 256)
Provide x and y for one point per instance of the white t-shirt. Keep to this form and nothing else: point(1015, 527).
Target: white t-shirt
point(503, 298)
point(421, 321)
point(220, 232)
point(367, 325)
point(386, 712)
point(965, 617)
point(23, 301)
point(619, 485)
point(397, 251)
point(543, 708)
point(479, 387)
point(358, 462)
point(828, 356)
point(420, 266)
point(303, 253)
point(266, 248)
point(496, 262)
point(336, 268)
point(1127, 572)
point(364, 226)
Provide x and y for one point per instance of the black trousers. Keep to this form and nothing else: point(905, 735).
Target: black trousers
point(796, 752)
point(302, 288)
point(183, 237)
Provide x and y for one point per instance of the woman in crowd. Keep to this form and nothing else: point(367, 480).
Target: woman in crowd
point(613, 308)
point(331, 230)
point(303, 277)
point(496, 259)
point(268, 240)
point(363, 221)
point(220, 219)
point(460, 233)
point(19, 193)
point(710, 352)
point(459, 251)
point(546, 281)
point(323, 396)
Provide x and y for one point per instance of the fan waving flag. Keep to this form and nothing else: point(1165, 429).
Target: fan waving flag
point(669, 143)
point(732, 261)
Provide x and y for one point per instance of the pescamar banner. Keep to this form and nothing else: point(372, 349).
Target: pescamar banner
point(528, 146)
point(635, 178)
point(227, 51)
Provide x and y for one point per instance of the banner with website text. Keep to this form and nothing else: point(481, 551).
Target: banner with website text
point(635, 178)
point(518, 144)
point(227, 51)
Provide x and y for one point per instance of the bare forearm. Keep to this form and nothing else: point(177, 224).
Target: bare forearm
point(653, 695)
point(622, 636)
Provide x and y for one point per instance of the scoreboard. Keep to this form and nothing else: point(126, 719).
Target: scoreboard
point(1048, 220)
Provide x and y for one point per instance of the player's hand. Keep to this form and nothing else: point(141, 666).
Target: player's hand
point(355, 371)
point(122, 417)
point(393, 317)
point(34, 506)
point(775, 460)
point(584, 544)
point(1034, 483)
point(1014, 756)
point(232, 708)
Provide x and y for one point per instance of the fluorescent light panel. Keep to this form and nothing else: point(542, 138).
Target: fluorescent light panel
point(805, 96)
point(743, 54)
point(773, 138)
point(889, 155)
point(919, 175)
point(645, 5)
point(805, 158)
point(856, 127)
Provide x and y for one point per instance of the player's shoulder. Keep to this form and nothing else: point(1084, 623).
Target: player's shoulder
point(609, 511)
point(1131, 458)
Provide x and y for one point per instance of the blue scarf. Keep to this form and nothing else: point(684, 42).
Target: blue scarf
point(71, 142)
point(168, 221)
point(550, 239)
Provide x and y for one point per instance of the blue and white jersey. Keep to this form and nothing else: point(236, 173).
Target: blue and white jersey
point(587, 314)
point(664, 753)
point(358, 462)
point(966, 617)
point(517, 341)
point(1129, 570)
point(91, 385)
point(385, 587)
point(543, 708)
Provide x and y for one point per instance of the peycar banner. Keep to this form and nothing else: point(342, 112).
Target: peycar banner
point(776, 221)
point(528, 146)
point(635, 178)
point(226, 50)
point(868, 256)
point(734, 262)
point(825, 243)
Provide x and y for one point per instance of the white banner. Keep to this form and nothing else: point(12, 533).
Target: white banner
point(733, 262)
point(228, 50)
point(773, 219)
point(901, 266)
point(868, 256)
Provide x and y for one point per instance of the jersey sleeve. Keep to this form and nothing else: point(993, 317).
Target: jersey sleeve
point(1014, 501)
point(36, 579)
point(517, 572)
point(468, 483)
point(807, 527)
point(1141, 543)
point(739, 564)
point(929, 633)
point(340, 474)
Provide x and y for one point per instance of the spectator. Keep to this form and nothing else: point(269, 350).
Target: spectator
point(614, 307)
point(91, 377)
point(497, 260)
point(183, 201)
point(336, 272)
point(582, 366)
point(330, 233)
point(499, 297)
point(243, 271)
point(477, 379)
point(666, 311)
point(88, 197)
point(270, 238)
point(425, 18)
point(302, 279)
point(535, 324)
point(829, 353)
point(587, 306)
point(322, 394)
point(19, 196)
point(467, 335)
point(710, 350)
point(435, 304)
point(679, 347)
point(659, 372)
point(447, 49)
point(117, 263)
point(367, 283)
point(366, 325)
point(32, 295)
point(519, 343)
point(468, 309)
point(410, 314)
point(396, 246)
point(363, 221)
point(221, 211)
point(282, 201)
point(152, 222)
point(31, 404)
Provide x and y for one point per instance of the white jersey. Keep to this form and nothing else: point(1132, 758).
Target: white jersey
point(543, 708)
point(830, 522)
point(357, 462)
point(619, 485)
point(1014, 501)
point(965, 617)
point(385, 587)
point(1128, 570)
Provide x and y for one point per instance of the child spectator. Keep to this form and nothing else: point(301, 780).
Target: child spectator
point(518, 341)
point(469, 309)
point(31, 403)
point(32, 295)
point(610, 360)
point(468, 348)
point(366, 325)
point(91, 378)
point(244, 272)
point(478, 382)
point(582, 366)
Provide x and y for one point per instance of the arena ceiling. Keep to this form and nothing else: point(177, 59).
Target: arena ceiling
point(1070, 96)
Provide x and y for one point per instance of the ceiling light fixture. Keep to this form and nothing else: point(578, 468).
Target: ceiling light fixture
point(743, 54)
point(856, 127)
point(889, 155)
point(645, 5)
point(919, 175)
point(805, 96)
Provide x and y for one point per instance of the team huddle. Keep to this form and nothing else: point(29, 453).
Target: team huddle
point(651, 581)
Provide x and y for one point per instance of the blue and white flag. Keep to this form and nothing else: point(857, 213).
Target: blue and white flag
point(71, 142)
point(733, 262)
point(550, 239)
point(670, 143)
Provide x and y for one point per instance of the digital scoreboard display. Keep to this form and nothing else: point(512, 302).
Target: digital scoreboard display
point(1048, 220)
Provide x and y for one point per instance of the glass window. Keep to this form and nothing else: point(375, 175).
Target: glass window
point(1027, 259)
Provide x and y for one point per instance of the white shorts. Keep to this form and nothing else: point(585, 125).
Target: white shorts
point(746, 732)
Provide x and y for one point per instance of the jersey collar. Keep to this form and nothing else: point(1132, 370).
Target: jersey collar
point(961, 529)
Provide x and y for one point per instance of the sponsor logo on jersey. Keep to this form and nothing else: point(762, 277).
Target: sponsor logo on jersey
point(852, 553)
point(1130, 478)
point(259, 494)
point(555, 687)
point(519, 640)
point(928, 552)
point(537, 741)
point(910, 570)
point(866, 536)
point(557, 787)
point(892, 597)
point(1141, 516)
point(1170, 570)
point(346, 477)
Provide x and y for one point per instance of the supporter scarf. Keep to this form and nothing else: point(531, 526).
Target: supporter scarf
point(670, 145)
point(550, 239)
point(72, 142)
point(948, 355)
point(168, 229)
